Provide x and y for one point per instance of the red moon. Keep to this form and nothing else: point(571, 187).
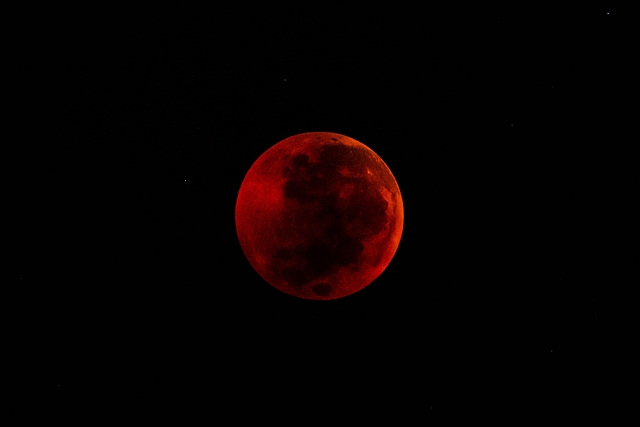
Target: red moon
point(319, 216)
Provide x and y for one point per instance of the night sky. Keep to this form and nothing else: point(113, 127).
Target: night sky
point(494, 123)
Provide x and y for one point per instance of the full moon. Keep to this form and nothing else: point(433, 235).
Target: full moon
point(319, 216)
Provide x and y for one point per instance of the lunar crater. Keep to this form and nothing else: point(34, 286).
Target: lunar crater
point(322, 289)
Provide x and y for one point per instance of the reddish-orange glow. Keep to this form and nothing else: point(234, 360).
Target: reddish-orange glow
point(319, 216)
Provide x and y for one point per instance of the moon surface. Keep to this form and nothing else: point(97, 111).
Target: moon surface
point(319, 216)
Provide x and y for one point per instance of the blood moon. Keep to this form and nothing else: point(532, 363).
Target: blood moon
point(319, 215)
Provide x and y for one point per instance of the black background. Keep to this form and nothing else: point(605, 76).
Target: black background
point(496, 124)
